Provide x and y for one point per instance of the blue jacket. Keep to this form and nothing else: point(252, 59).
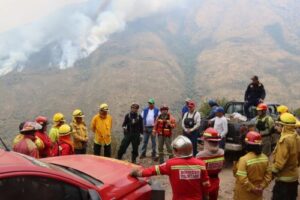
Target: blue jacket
point(145, 113)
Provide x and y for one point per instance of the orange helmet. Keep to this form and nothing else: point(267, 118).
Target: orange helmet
point(262, 106)
point(210, 134)
point(253, 138)
point(41, 120)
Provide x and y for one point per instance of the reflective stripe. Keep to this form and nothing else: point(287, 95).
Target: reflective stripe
point(241, 173)
point(206, 183)
point(157, 170)
point(274, 170)
point(214, 160)
point(256, 160)
point(175, 167)
point(287, 178)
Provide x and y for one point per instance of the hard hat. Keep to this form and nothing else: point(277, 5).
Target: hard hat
point(287, 119)
point(211, 134)
point(298, 123)
point(182, 146)
point(164, 107)
point(78, 113)
point(135, 105)
point(103, 107)
point(58, 117)
point(41, 120)
point(151, 101)
point(187, 99)
point(262, 106)
point(30, 126)
point(65, 129)
point(191, 104)
point(253, 138)
point(282, 109)
point(212, 102)
point(219, 109)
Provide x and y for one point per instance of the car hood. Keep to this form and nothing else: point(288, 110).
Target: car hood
point(113, 173)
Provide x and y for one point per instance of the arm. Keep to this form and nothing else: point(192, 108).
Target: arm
point(182, 122)
point(162, 169)
point(225, 128)
point(93, 124)
point(125, 121)
point(172, 122)
point(205, 181)
point(267, 177)
point(263, 92)
point(154, 130)
point(141, 127)
point(198, 121)
point(280, 157)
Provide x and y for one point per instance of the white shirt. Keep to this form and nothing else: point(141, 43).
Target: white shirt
point(221, 125)
point(197, 119)
point(150, 117)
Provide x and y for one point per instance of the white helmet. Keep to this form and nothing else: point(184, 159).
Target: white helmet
point(182, 147)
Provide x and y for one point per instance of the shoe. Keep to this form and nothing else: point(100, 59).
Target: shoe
point(142, 156)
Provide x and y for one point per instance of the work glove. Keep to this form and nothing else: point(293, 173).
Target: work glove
point(135, 173)
point(257, 191)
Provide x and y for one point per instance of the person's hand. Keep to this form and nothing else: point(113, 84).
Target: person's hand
point(135, 173)
point(153, 133)
point(258, 191)
point(188, 131)
point(209, 122)
point(261, 100)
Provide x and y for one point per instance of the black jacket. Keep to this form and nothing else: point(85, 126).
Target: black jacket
point(133, 123)
point(255, 92)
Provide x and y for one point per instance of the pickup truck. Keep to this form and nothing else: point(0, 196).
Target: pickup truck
point(234, 143)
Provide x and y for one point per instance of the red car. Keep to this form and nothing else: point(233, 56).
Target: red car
point(76, 177)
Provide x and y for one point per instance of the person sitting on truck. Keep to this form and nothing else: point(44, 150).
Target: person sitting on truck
point(220, 124)
point(213, 106)
point(264, 125)
point(254, 95)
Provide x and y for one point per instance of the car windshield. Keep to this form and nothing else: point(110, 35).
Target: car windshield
point(65, 169)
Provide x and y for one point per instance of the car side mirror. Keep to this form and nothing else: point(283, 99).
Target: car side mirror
point(94, 195)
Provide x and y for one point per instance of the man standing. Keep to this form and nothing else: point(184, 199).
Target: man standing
point(190, 124)
point(133, 128)
point(187, 175)
point(213, 106)
point(286, 160)
point(264, 125)
point(163, 128)
point(58, 121)
point(254, 95)
point(101, 125)
point(26, 145)
point(79, 132)
point(221, 125)
point(149, 115)
point(42, 135)
point(185, 108)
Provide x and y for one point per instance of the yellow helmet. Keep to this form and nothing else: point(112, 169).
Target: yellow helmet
point(65, 129)
point(282, 109)
point(103, 107)
point(287, 119)
point(78, 113)
point(58, 117)
point(297, 123)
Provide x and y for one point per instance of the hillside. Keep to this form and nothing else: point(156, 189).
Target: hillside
point(206, 50)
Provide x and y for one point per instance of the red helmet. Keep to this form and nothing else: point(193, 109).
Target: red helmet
point(210, 134)
point(191, 104)
point(254, 138)
point(262, 106)
point(164, 107)
point(41, 120)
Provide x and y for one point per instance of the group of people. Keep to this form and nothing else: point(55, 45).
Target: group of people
point(196, 177)
point(193, 174)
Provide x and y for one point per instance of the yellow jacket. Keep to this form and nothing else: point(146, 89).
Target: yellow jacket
point(251, 171)
point(79, 134)
point(38, 142)
point(286, 155)
point(54, 134)
point(102, 129)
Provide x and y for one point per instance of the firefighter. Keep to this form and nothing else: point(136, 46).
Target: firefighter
point(27, 145)
point(64, 146)
point(133, 129)
point(80, 135)
point(286, 159)
point(264, 125)
point(58, 120)
point(163, 126)
point(275, 134)
point(213, 156)
point(252, 171)
point(187, 175)
point(101, 125)
point(42, 135)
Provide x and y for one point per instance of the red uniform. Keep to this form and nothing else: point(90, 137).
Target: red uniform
point(214, 164)
point(188, 177)
point(27, 146)
point(46, 151)
point(63, 147)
